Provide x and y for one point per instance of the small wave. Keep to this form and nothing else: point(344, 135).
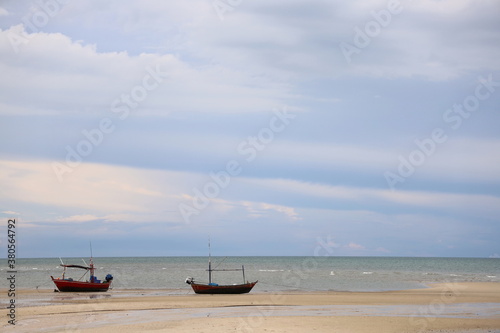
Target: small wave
point(271, 270)
point(34, 268)
point(332, 273)
point(491, 276)
point(367, 273)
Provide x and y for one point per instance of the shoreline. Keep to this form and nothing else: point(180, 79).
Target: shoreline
point(450, 306)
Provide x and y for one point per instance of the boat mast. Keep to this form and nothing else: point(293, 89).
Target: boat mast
point(209, 263)
point(91, 265)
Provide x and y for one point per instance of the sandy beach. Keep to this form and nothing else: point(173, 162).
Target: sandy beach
point(453, 307)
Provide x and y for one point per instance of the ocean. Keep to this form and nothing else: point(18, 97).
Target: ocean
point(274, 273)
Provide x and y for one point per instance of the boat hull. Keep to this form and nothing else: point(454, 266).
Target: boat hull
point(223, 289)
point(79, 286)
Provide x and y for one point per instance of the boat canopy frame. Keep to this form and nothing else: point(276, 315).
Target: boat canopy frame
point(90, 268)
point(75, 266)
point(210, 270)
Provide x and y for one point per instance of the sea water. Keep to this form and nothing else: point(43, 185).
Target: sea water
point(274, 273)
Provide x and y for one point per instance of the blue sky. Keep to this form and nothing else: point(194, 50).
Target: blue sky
point(363, 127)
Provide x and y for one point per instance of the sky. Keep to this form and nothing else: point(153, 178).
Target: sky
point(332, 128)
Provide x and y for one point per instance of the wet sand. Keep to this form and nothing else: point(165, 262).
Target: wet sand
point(453, 307)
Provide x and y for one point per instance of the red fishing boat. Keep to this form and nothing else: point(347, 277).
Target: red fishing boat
point(214, 288)
point(92, 285)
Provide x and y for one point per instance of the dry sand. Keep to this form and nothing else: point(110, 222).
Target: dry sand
point(453, 307)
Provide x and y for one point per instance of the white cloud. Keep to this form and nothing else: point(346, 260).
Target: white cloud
point(355, 246)
point(460, 159)
point(330, 155)
point(287, 41)
point(382, 250)
point(9, 212)
point(61, 75)
point(93, 188)
point(464, 159)
point(444, 7)
point(78, 218)
point(479, 204)
point(261, 209)
point(415, 43)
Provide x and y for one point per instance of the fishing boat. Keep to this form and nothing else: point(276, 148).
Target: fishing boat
point(64, 284)
point(214, 288)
